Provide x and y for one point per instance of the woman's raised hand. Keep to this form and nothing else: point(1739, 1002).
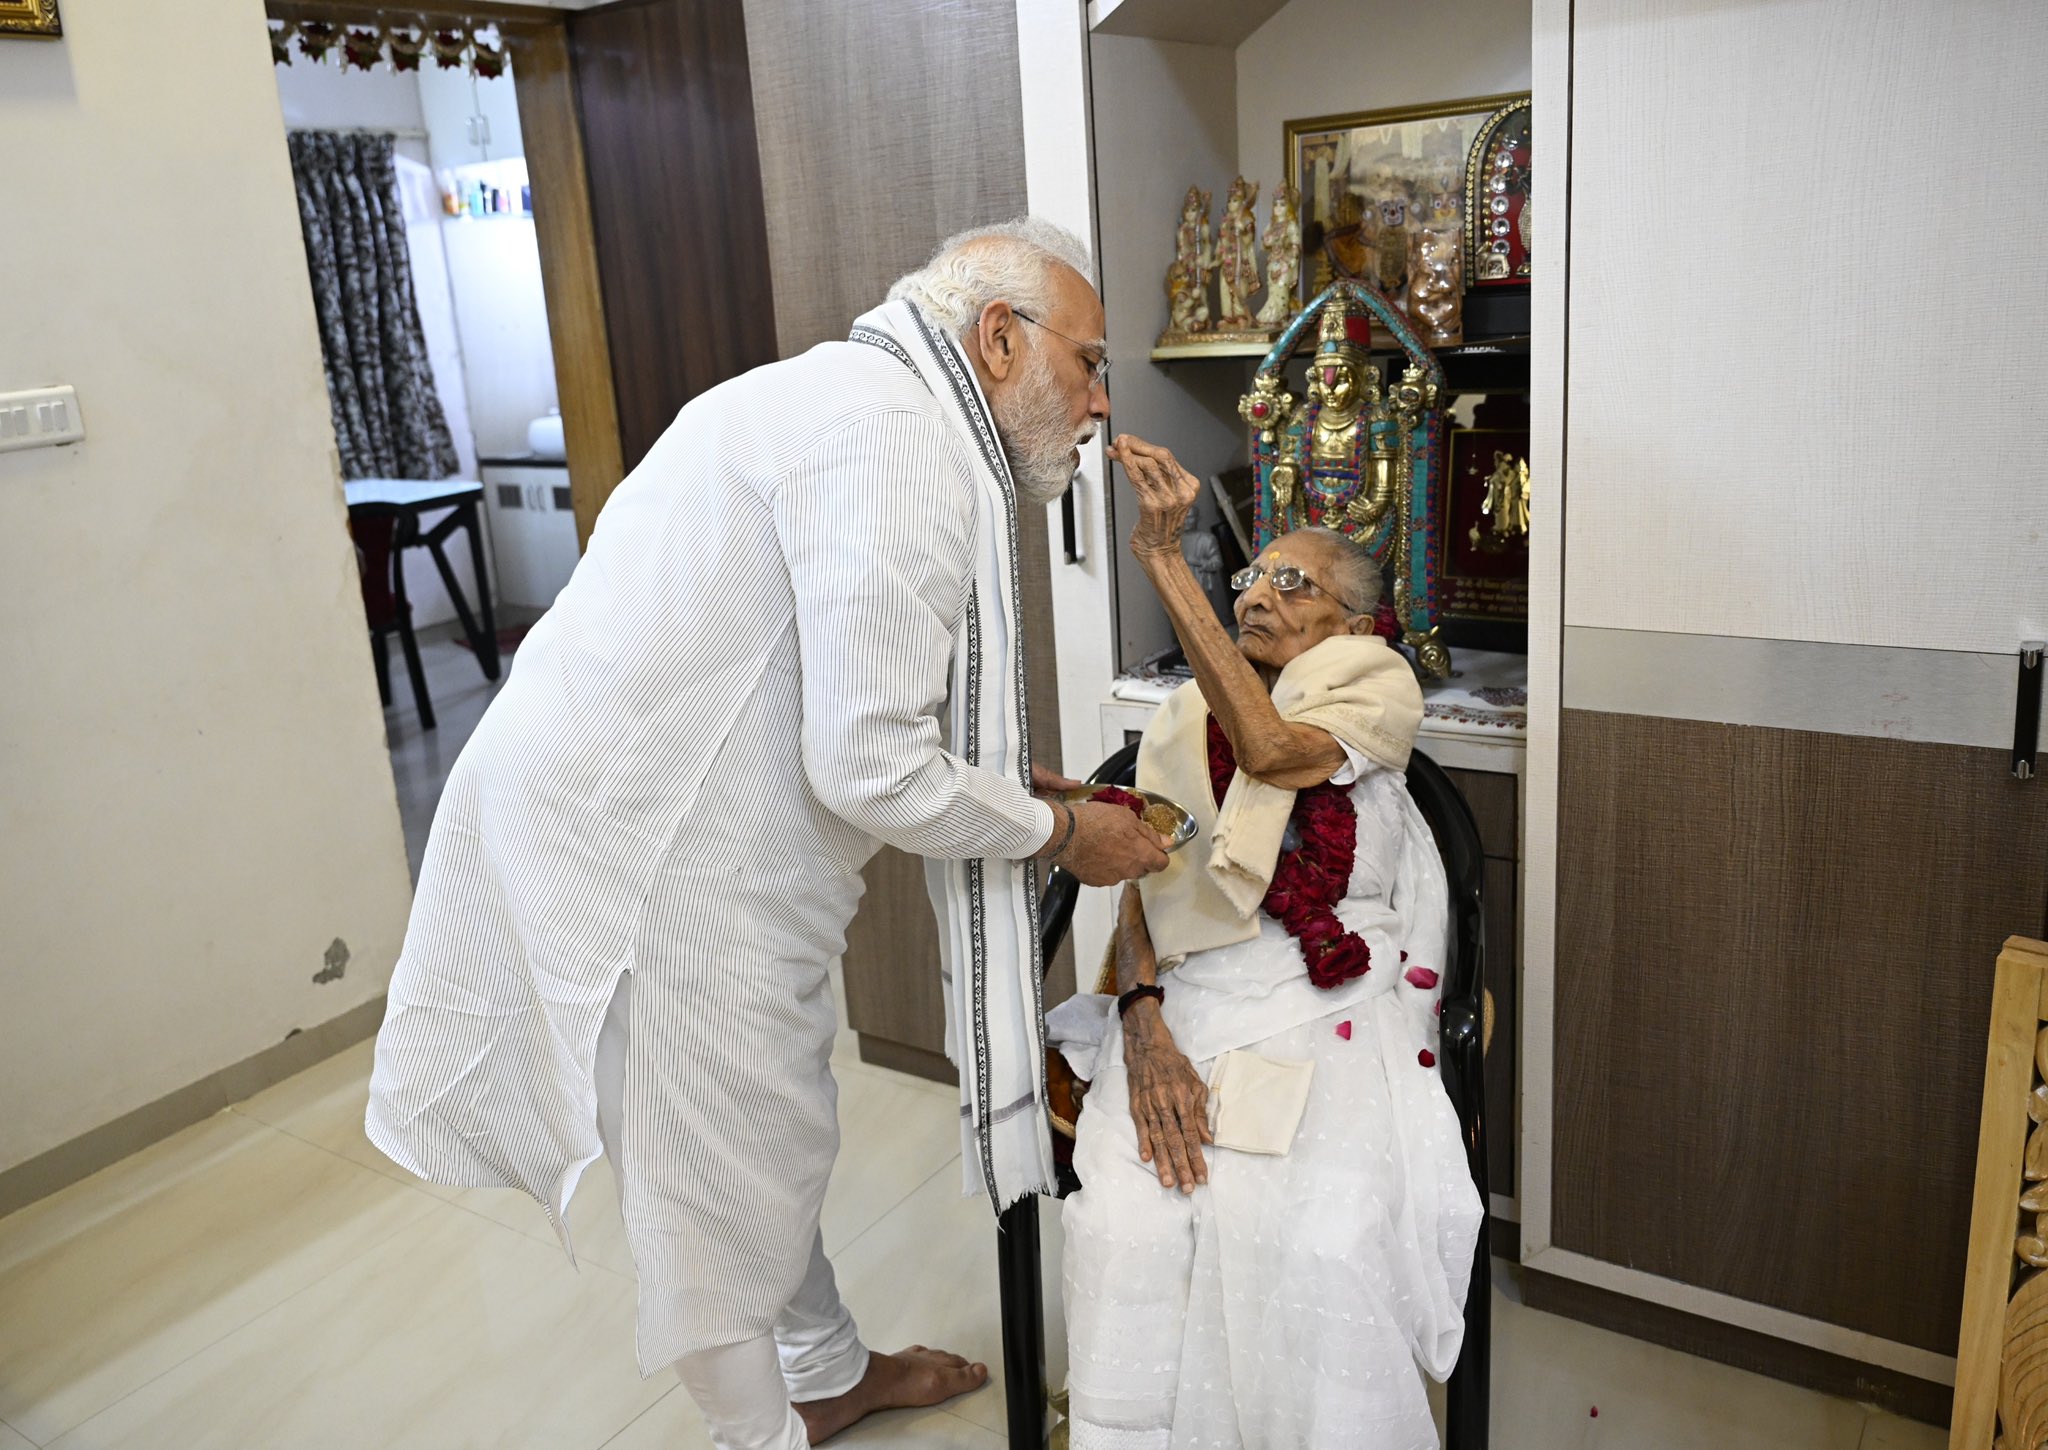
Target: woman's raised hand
point(1165, 490)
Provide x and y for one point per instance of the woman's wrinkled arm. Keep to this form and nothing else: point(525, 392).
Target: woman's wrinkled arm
point(1169, 1100)
point(1268, 748)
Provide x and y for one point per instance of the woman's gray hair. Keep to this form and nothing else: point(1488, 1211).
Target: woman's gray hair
point(1011, 262)
point(1355, 574)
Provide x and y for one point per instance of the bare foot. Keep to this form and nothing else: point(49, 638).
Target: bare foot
point(909, 1378)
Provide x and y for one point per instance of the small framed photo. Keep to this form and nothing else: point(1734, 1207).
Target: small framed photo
point(29, 17)
point(1367, 181)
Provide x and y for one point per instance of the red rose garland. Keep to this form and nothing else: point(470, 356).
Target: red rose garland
point(1309, 881)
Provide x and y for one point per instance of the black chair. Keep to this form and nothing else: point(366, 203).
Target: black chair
point(1462, 1062)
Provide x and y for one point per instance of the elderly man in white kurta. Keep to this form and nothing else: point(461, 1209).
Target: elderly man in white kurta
point(795, 634)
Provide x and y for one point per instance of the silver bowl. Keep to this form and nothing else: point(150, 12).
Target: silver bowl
point(1184, 830)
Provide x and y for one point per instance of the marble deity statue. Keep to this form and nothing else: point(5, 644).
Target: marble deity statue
point(1283, 256)
point(1187, 279)
point(1237, 257)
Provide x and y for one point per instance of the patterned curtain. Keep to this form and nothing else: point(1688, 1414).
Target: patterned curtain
point(387, 416)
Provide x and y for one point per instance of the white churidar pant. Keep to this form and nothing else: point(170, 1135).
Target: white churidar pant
point(745, 1390)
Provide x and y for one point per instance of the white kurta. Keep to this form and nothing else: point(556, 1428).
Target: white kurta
point(1288, 1301)
point(732, 703)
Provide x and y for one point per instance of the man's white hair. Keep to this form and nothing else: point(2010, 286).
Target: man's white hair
point(1010, 262)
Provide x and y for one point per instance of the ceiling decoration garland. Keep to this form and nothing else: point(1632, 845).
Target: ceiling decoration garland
point(478, 49)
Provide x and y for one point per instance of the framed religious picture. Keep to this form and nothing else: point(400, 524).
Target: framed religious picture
point(1374, 183)
point(1497, 216)
point(1484, 576)
point(29, 17)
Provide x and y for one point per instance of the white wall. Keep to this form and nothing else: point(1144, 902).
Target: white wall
point(328, 98)
point(448, 98)
point(1165, 119)
point(507, 358)
point(197, 798)
point(1327, 57)
point(494, 267)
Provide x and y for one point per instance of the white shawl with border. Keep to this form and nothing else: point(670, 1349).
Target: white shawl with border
point(987, 909)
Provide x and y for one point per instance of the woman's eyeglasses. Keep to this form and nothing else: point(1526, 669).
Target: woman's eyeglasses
point(1287, 578)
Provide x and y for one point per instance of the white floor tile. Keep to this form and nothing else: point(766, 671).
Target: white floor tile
point(1550, 1374)
point(421, 759)
point(455, 1332)
point(595, 1227)
point(926, 1274)
point(131, 1272)
point(674, 1424)
point(268, 1278)
point(846, 1042)
point(895, 1132)
point(324, 1106)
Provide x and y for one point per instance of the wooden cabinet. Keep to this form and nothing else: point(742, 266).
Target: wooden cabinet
point(894, 999)
point(533, 532)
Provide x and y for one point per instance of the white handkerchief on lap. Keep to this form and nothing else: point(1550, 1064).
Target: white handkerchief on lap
point(1256, 1103)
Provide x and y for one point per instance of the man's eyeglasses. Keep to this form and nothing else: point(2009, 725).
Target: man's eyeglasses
point(1098, 367)
point(1287, 578)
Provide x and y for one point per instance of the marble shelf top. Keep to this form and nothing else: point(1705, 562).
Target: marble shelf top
point(1487, 695)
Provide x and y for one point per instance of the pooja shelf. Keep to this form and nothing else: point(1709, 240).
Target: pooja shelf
point(1478, 365)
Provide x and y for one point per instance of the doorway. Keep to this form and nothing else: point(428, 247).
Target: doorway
point(472, 472)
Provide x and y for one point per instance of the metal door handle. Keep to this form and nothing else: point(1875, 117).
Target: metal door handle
point(1070, 533)
point(2026, 722)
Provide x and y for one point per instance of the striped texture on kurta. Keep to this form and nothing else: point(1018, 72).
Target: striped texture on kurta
point(734, 700)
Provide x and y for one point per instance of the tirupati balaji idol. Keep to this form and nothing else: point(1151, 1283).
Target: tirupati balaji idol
point(1358, 454)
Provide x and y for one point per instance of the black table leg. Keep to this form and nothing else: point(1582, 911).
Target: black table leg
point(1023, 1315)
point(406, 639)
point(483, 642)
point(472, 520)
point(381, 653)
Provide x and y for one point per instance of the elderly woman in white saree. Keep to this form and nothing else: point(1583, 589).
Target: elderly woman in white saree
point(1274, 1235)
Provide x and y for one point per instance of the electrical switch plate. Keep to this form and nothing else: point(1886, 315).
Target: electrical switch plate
point(39, 418)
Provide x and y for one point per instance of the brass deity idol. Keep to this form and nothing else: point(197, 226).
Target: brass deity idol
point(1506, 503)
point(1436, 270)
point(1358, 454)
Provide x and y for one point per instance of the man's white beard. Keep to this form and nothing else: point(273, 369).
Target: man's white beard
point(1036, 436)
